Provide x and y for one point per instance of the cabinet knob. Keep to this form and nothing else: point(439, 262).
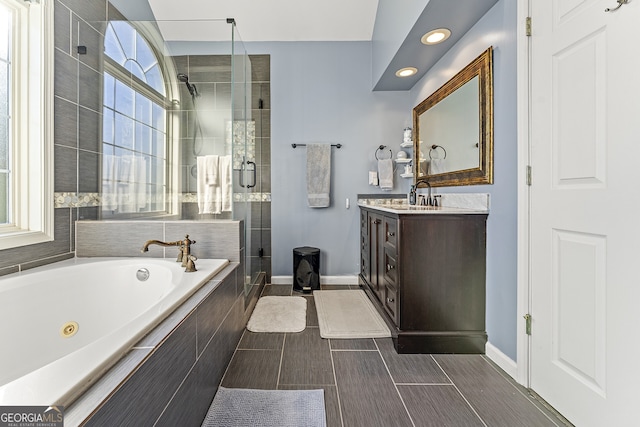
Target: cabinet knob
point(391, 234)
point(390, 300)
point(389, 267)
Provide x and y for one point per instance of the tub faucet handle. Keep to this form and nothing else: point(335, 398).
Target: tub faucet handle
point(190, 264)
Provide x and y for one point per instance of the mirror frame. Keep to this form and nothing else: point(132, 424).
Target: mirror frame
point(482, 67)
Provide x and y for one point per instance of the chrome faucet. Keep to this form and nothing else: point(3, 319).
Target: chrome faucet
point(184, 256)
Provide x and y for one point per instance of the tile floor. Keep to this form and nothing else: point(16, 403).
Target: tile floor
point(368, 384)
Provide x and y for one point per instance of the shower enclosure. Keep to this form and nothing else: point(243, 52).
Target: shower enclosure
point(176, 134)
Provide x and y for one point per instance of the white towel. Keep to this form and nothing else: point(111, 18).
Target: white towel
point(208, 195)
point(437, 166)
point(226, 187)
point(385, 174)
point(211, 169)
point(318, 175)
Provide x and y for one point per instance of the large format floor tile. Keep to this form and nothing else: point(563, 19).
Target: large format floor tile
point(366, 383)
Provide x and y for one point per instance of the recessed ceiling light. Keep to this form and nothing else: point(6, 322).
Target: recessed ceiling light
point(406, 72)
point(435, 36)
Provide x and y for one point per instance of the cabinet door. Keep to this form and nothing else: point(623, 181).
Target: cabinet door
point(376, 243)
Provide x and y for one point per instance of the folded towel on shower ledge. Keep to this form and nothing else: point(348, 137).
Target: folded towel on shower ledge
point(318, 175)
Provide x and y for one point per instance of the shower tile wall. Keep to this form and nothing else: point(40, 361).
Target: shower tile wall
point(214, 87)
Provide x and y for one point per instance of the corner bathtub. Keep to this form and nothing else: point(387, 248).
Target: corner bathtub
point(47, 359)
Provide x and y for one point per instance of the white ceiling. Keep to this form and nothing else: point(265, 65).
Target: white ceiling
point(275, 20)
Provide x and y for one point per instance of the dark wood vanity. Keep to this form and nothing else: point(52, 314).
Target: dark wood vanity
point(426, 273)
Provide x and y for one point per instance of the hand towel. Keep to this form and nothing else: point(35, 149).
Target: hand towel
point(318, 175)
point(208, 195)
point(437, 166)
point(385, 174)
point(226, 188)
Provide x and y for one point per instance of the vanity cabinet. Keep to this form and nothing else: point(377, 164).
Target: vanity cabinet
point(426, 272)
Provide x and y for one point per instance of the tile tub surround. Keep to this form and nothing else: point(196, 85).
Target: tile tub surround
point(170, 376)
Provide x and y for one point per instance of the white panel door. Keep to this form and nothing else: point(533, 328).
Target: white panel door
point(585, 204)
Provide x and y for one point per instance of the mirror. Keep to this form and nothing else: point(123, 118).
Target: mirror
point(453, 129)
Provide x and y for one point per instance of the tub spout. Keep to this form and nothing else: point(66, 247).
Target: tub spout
point(184, 256)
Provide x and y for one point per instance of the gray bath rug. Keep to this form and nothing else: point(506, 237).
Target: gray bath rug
point(348, 314)
point(236, 407)
point(279, 314)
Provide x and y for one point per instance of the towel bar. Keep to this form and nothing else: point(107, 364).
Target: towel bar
point(304, 145)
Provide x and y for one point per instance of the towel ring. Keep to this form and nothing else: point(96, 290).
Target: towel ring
point(382, 147)
point(434, 147)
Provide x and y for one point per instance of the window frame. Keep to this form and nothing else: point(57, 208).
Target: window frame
point(31, 127)
point(120, 73)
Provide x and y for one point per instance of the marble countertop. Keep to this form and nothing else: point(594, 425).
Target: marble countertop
point(449, 204)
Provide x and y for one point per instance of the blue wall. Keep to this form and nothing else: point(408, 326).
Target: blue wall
point(321, 92)
point(498, 29)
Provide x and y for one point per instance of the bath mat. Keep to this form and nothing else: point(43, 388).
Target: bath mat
point(236, 407)
point(348, 314)
point(279, 314)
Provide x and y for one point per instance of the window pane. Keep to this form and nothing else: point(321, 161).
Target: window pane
point(154, 79)
point(112, 47)
point(144, 54)
point(143, 138)
point(107, 126)
point(143, 109)
point(4, 143)
point(126, 35)
point(123, 131)
point(4, 198)
point(124, 99)
point(158, 117)
point(109, 90)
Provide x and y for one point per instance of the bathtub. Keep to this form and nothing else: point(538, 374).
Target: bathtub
point(65, 324)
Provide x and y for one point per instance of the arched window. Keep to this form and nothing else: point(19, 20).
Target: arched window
point(134, 137)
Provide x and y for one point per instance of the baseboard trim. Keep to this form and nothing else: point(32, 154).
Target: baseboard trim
point(502, 360)
point(324, 280)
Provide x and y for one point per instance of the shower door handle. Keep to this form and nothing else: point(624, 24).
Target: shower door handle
point(249, 162)
point(254, 173)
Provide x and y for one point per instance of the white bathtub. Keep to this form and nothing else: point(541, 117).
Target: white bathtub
point(112, 308)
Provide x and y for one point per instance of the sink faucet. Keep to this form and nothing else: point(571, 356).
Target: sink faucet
point(184, 256)
point(430, 201)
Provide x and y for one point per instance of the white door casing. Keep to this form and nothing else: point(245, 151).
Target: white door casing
point(584, 237)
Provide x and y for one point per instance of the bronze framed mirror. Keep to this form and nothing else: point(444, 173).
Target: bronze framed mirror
point(453, 129)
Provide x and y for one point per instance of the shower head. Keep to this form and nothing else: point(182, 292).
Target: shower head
point(192, 88)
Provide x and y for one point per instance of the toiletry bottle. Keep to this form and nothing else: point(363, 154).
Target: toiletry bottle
point(412, 195)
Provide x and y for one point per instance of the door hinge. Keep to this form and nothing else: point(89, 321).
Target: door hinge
point(527, 323)
point(528, 175)
point(528, 26)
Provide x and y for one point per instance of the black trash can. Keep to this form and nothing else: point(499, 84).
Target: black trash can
point(306, 269)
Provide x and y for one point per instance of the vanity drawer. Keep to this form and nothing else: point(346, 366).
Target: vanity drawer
point(391, 303)
point(390, 267)
point(390, 231)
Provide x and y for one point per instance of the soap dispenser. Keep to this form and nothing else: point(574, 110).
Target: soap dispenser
point(412, 195)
